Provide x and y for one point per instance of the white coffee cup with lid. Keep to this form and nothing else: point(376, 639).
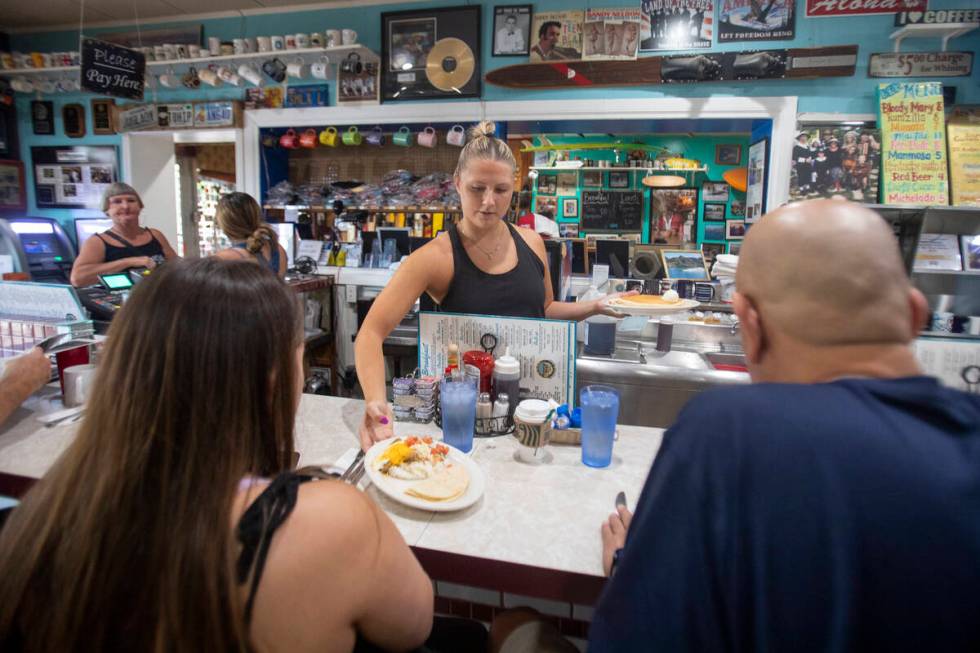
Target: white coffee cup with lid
point(533, 431)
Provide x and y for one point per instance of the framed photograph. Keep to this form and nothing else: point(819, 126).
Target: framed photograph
point(714, 231)
point(42, 117)
point(612, 33)
point(592, 178)
point(676, 24)
point(556, 35)
point(102, 117)
point(431, 54)
point(714, 211)
point(714, 191)
point(971, 252)
point(353, 86)
point(836, 160)
point(684, 264)
point(547, 184)
point(735, 248)
point(674, 216)
point(13, 196)
point(569, 207)
point(619, 179)
point(511, 30)
point(568, 229)
point(737, 208)
point(546, 206)
point(755, 192)
point(710, 251)
point(734, 229)
point(728, 155)
point(567, 183)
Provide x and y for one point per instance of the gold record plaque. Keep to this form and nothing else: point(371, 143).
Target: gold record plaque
point(449, 65)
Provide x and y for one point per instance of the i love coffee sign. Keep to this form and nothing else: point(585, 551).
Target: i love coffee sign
point(109, 69)
point(821, 8)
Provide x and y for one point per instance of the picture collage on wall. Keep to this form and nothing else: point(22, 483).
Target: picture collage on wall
point(72, 177)
point(836, 161)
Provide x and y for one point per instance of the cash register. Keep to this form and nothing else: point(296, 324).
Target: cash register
point(104, 299)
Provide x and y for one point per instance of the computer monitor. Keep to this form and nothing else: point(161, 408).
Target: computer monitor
point(401, 238)
point(287, 238)
point(85, 228)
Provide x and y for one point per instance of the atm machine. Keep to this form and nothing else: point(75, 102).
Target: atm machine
point(42, 245)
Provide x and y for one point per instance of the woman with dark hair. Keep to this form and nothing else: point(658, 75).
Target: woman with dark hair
point(172, 521)
point(252, 238)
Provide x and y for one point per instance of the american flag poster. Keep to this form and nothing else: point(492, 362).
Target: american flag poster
point(676, 24)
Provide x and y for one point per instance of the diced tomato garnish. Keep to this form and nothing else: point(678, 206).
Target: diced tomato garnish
point(427, 439)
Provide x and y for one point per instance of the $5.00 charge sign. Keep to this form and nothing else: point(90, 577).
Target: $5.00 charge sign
point(109, 69)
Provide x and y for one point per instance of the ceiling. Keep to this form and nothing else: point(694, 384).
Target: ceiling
point(38, 15)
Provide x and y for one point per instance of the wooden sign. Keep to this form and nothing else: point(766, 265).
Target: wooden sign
point(821, 8)
point(73, 119)
point(913, 133)
point(963, 133)
point(102, 117)
point(109, 69)
point(612, 211)
point(143, 116)
point(920, 64)
point(938, 16)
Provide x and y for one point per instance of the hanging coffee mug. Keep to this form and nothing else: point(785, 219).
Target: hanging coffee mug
point(191, 80)
point(321, 69)
point(297, 69)
point(456, 136)
point(376, 136)
point(169, 80)
point(427, 137)
point(275, 69)
point(250, 74)
point(402, 137)
point(228, 76)
point(308, 139)
point(333, 37)
point(289, 140)
point(209, 77)
point(352, 64)
point(352, 136)
point(328, 137)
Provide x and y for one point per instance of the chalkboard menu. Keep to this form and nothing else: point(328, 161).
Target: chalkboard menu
point(612, 211)
point(913, 134)
point(109, 69)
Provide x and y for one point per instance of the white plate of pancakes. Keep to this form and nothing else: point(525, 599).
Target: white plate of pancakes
point(456, 485)
point(650, 305)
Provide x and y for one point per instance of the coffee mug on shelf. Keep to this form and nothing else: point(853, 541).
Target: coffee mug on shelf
point(308, 139)
point(250, 74)
point(333, 37)
point(194, 51)
point(209, 77)
point(316, 40)
point(352, 136)
point(427, 137)
point(275, 69)
point(250, 45)
point(278, 43)
point(297, 69)
point(227, 49)
point(320, 69)
point(402, 137)
point(348, 37)
point(263, 44)
point(7, 60)
point(181, 50)
point(290, 41)
point(352, 64)
point(159, 53)
point(37, 60)
point(214, 44)
point(191, 78)
point(204, 53)
point(456, 136)
point(376, 136)
point(289, 140)
point(239, 45)
point(169, 51)
point(328, 137)
point(302, 41)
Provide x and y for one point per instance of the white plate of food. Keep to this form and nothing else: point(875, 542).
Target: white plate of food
point(651, 304)
point(424, 473)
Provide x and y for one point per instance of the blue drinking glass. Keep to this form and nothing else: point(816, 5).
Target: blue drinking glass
point(600, 408)
point(457, 401)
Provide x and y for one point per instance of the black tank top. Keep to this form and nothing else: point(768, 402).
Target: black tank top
point(519, 292)
point(125, 249)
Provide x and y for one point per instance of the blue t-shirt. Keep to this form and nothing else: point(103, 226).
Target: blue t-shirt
point(840, 516)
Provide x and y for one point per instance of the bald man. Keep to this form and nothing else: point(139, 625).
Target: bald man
point(832, 505)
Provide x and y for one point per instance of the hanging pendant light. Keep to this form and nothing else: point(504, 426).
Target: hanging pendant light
point(664, 181)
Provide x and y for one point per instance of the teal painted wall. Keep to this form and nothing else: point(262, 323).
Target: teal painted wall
point(848, 95)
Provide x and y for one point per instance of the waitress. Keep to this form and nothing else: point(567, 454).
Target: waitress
point(126, 245)
point(482, 265)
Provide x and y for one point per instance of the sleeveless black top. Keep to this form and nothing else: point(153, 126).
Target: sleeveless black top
point(519, 292)
point(126, 249)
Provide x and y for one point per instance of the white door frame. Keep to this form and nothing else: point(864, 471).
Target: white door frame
point(781, 110)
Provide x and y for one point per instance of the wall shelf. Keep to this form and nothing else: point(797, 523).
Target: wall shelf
point(643, 169)
point(944, 31)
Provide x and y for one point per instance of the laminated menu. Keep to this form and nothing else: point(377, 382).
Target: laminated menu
point(963, 131)
point(913, 133)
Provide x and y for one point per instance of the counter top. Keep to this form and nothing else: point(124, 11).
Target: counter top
point(545, 517)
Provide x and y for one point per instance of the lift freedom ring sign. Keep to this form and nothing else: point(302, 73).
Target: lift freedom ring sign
point(109, 69)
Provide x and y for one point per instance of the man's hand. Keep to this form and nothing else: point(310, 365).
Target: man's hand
point(614, 536)
point(31, 370)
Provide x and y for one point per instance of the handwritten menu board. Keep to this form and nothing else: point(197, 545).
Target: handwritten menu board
point(615, 211)
point(963, 132)
point(545, 348)
point(913, 134)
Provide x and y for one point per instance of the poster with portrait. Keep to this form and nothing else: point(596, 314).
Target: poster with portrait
point(756, 20)
point(676, 24)
point(556, 35)
point(511, 30)
point(611, 33)
point(836, 161)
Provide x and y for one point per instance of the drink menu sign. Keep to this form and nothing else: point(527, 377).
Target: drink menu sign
point(821, 8)
point(913, 134)
point(963, 130)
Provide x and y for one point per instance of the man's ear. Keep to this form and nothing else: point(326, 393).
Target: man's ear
point(919, 311)
point(750, 327)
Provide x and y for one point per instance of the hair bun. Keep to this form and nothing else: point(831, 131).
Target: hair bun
point(485, 129)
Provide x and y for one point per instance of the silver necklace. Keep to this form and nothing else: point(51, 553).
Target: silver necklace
point(489, 254)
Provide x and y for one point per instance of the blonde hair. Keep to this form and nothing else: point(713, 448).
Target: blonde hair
point(483, 145)
point(240, 217)
point(119, 188)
